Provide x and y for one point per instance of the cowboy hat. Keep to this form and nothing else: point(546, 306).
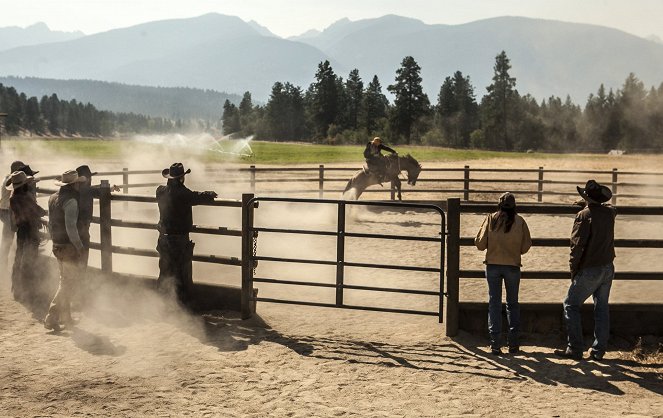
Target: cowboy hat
point(84, 170)
point(70, 177)
point(27, 170)
point(594, 192)
point(18, 179)
point(376, 140)
point(16, 165)
point(175, 171)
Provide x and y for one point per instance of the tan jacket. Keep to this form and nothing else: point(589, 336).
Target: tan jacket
point(504, 248)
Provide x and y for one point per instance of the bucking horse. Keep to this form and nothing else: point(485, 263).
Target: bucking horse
point(395, 164)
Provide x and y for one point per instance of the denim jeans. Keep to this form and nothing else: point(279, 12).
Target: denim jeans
point(596, 282)
point(511, 275)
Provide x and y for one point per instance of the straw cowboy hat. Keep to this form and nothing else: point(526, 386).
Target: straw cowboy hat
point(377, 140)
point(175, 171)
point(594, 192)
point(70, 177)
point(18, 179)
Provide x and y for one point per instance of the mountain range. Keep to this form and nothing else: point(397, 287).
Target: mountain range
point(227, 54)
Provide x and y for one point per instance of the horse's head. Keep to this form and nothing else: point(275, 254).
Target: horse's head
point(413, 169)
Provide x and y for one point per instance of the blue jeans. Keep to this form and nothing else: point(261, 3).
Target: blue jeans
point(511, 275)
point(596, 282)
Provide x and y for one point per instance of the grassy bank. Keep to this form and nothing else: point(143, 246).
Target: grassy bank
point(264, 152)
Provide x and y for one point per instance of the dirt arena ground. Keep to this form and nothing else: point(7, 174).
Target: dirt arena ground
point(133, 355)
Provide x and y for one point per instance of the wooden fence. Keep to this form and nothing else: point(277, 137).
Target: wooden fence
point(473, 184)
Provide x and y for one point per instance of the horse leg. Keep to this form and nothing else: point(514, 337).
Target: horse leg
point(397, 183)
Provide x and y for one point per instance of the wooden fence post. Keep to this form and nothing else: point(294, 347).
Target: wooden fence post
point(321, 181)
point(340, 254)
point(125, 180)
point(247, 255)
point(540, 185)
point(614, 186)
point(105, 230)
point(466, 183)
point(253, 178)
point(453, 265)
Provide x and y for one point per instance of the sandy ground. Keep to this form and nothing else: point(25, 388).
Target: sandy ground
point(131, 355)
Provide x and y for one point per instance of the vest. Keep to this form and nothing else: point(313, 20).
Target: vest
point(56, 222)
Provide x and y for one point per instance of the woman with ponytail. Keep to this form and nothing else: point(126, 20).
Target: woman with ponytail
point(505, 236)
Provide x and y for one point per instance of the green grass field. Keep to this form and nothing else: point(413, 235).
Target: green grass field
point(264, 152)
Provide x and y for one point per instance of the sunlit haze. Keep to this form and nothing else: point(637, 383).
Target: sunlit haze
point(293, 17)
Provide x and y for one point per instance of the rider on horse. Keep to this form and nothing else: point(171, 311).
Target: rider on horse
point(375, 161)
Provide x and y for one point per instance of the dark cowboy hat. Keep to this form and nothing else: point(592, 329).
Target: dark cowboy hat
point(595, 192)
point(507, 201)
point(175, 171)
point(27, 170)
point(16, 165)
point(84, 170)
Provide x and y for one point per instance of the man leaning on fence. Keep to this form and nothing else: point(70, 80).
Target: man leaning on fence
point(175, 249)
point(67, 247)
point(592, 271)
point(8, 227)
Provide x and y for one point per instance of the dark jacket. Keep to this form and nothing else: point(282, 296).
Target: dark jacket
point(593, 237)
point(175, 201)
point(56, 221)
point(372, 151)
point(86, 201)
point(25, 210)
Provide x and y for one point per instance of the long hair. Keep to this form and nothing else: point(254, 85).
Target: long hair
point(503, 216)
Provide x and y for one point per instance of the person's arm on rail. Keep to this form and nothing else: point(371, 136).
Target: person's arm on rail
point(526, 242)
point(70, 217)
point(481, 240)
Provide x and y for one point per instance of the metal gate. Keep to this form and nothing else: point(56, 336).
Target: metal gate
point(250, 258)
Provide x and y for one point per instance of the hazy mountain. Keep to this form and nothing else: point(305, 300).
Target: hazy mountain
point(224, 53)
point(212, 51)
point(547, 57)
point(39, 33)
point(166, 102)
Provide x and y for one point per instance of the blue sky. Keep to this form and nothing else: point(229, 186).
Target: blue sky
point(293, 17)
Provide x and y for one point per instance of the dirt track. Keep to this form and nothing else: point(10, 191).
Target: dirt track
point(132, 356)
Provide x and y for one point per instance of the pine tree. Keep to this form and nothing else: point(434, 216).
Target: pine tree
point(410, 103)
point(499, 105)
point(374, 106)
point(457, 110)
point(323, 99)
point(354, 91)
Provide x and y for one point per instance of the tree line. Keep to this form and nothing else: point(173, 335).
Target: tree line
point(335, 110)
point(52, 116)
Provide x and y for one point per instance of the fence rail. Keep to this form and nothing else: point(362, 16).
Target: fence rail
point(468, 184)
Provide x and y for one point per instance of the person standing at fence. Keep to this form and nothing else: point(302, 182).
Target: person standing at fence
point(26, 215)
point(592, 271)
point(8, 228)
point(506, 237)
point(67, 247)
point(175, 249)
point(87, 194)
